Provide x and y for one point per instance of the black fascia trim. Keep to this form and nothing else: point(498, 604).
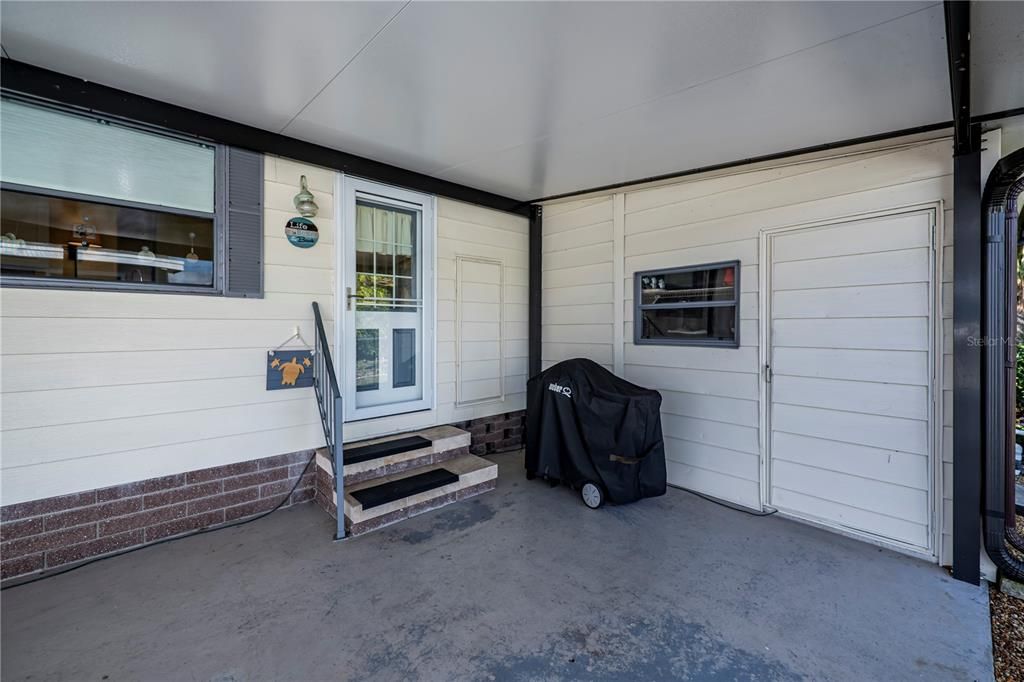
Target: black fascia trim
point(39, 83)
point(775, 156)
point(996, 115)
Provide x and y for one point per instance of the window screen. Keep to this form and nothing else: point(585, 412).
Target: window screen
point(695, 306)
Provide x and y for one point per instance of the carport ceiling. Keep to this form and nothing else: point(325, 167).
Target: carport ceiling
point(522, 99)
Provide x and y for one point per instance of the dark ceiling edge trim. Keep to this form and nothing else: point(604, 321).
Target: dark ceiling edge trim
point(985, 118)
point(35, 81)
point(996, 115)
point(775, 156)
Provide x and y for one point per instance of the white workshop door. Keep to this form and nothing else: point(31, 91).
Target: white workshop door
point(850, 349)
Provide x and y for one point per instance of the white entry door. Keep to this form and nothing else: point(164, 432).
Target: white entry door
point(387, 300)
point(849, 381)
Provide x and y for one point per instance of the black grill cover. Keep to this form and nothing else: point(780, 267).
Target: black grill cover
point(583, 423)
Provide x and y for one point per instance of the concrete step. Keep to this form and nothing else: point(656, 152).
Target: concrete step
point(405, 484)
point(475, 475)
point(446, 442)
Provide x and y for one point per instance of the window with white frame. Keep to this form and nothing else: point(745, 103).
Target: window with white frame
point(96, 203)
point(694, 306)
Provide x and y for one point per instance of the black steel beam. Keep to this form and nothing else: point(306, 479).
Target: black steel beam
point(25, 79)
point(534, 335)
point(958, 51)
point(968, 279)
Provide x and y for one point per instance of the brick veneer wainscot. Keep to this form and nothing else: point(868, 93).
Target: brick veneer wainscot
point(497, 433)
point(55, 531)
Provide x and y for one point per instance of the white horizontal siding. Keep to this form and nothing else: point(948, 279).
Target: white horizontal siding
point(885, 464)
point(861, 417)
point(102, 388)
point(578, 282)
point(897, 400)
point(901, 367)
point(883, 300)
point(711, 395)
point(901, 530)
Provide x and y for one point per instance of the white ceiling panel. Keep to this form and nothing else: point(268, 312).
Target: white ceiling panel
point(252, 62)
point(997, 56)
point(526, 99)
point(452, 82)
point(872, 82)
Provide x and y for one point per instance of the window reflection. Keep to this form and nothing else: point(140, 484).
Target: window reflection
point(55, 238)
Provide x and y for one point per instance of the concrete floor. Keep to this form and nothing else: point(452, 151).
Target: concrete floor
point(523, 583)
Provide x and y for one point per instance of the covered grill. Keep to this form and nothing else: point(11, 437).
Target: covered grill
point(597, 432)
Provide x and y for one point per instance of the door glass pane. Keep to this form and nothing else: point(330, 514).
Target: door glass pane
point(364, 256)
point(388, 308)
point(385, 258)
point(367, 359)
point(403, 289)
point(404, 349)
point(404, 248)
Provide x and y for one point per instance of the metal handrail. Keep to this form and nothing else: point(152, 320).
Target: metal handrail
point(328, 400)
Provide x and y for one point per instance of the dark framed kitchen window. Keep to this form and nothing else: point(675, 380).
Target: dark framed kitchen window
point(696, 305)
point(93, 203)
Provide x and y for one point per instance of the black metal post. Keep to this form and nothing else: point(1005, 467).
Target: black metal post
point(967, 367)
point(968, 273)
point(536, 282)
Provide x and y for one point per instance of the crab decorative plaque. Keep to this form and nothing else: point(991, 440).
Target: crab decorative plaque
point(289, 369)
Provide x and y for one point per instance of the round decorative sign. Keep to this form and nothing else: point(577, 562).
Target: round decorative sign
point(301, 232)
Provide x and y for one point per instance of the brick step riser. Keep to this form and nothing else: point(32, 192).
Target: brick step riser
point(425, 459)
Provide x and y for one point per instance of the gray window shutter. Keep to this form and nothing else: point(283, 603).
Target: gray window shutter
point(244, 230)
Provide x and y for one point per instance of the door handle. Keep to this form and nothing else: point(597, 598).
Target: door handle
point(348, 298)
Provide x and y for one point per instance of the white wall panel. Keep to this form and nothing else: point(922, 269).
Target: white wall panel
point(578, 282)
point(475, 322)
point(846, 292)
point(101, 388)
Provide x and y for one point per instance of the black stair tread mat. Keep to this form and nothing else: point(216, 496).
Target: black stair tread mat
point(363, 453)
point(403, 487)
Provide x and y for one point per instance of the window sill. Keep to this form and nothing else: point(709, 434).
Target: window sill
point(85, 285)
